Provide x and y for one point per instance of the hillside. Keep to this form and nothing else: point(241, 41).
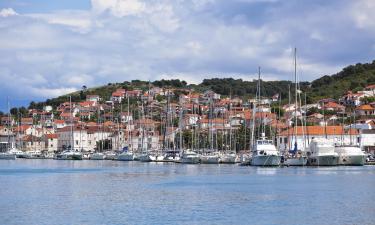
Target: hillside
point(354, 77)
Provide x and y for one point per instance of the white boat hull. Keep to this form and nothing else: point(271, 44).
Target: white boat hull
point(326, 160)
point(97, 157)
point(228, 159)
point(70, 156)
point(145, 158)
point(125, 157)
point(7, 156)
point(266, 160)
point(209, 159)
point(352, 160)
point(296, 161)
point(190, 160)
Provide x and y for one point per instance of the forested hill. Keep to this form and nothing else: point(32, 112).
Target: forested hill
point(354, 77)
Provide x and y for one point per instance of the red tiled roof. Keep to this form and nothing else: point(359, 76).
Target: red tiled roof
point(365, 107)
point(51, 136)
point(319, 130)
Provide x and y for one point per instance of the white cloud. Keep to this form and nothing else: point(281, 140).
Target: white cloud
point(363, 14)
point(7, 12)
point(78, 20)
point(116, 40)
point(118, 8)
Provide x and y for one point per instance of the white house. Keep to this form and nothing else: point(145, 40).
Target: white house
point(285, 140)
point(367, 141)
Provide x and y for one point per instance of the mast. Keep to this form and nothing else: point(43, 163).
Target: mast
point(9, 125)
point(180, 125)
point(71, 123)
point(295, 99)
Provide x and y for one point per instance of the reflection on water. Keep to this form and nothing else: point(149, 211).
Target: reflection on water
point(109, 192)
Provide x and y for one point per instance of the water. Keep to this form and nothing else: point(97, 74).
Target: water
point(109, 192)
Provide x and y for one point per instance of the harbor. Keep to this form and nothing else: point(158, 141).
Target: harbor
point(115, 192)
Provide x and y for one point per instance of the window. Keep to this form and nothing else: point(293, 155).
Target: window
point(76, 142)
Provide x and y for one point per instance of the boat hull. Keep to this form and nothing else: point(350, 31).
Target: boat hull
point(7, 156)
point(228, 159)
point(297, 161)
point(209, 159)
point(190, 160)
point(327, 160)
point(125, 157)
point(97, 157)
point(352, 160)
point(145, 158)
point(266, 160)
point(69, 157)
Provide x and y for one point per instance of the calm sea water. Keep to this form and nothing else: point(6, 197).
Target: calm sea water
point(109, 192)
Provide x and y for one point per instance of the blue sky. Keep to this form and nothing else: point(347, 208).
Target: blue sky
point(49, 48)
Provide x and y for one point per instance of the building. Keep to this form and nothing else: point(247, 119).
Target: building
point(27, 121)
point(367, 140)
point(81, 138)
point(51, 143)
point(365, 110)
point(337, 134)
point(32, 143)
point(92, 98)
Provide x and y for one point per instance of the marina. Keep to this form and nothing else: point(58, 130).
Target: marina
point(116, 192)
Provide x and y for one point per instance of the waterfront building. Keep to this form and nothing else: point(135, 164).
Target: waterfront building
point(304, 135)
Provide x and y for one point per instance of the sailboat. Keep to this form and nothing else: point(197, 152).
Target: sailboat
point(228, 156)
point(296, 156)
point(70, 153)
point(264, 152)
point(8, 154)
point(210, 156)
point(127, 155)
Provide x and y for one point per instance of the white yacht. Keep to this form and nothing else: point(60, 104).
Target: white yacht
point(69, 155)
point(350, 155)
point(210, 158)
point(18, 153)
point(229, 158)
point(146, 157)
point(171, 156)
point(190, 157)
point(110, 155)
point(97, 156)
point(265, 153)
point(125, 156)
point(7, 155)
point(159, 157)
point(35, 154)
point(322, 153)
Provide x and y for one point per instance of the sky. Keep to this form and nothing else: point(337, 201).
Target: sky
point(50, 48)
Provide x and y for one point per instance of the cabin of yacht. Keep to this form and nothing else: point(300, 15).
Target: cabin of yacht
point(321, 152)
point(265, 153)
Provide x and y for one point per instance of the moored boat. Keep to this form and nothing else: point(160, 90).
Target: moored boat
point(265, 153)
point(350, 155)
point(69, 155)
point(322, 153)
point(190, 157)
point(7, 156)
point(97, 156)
